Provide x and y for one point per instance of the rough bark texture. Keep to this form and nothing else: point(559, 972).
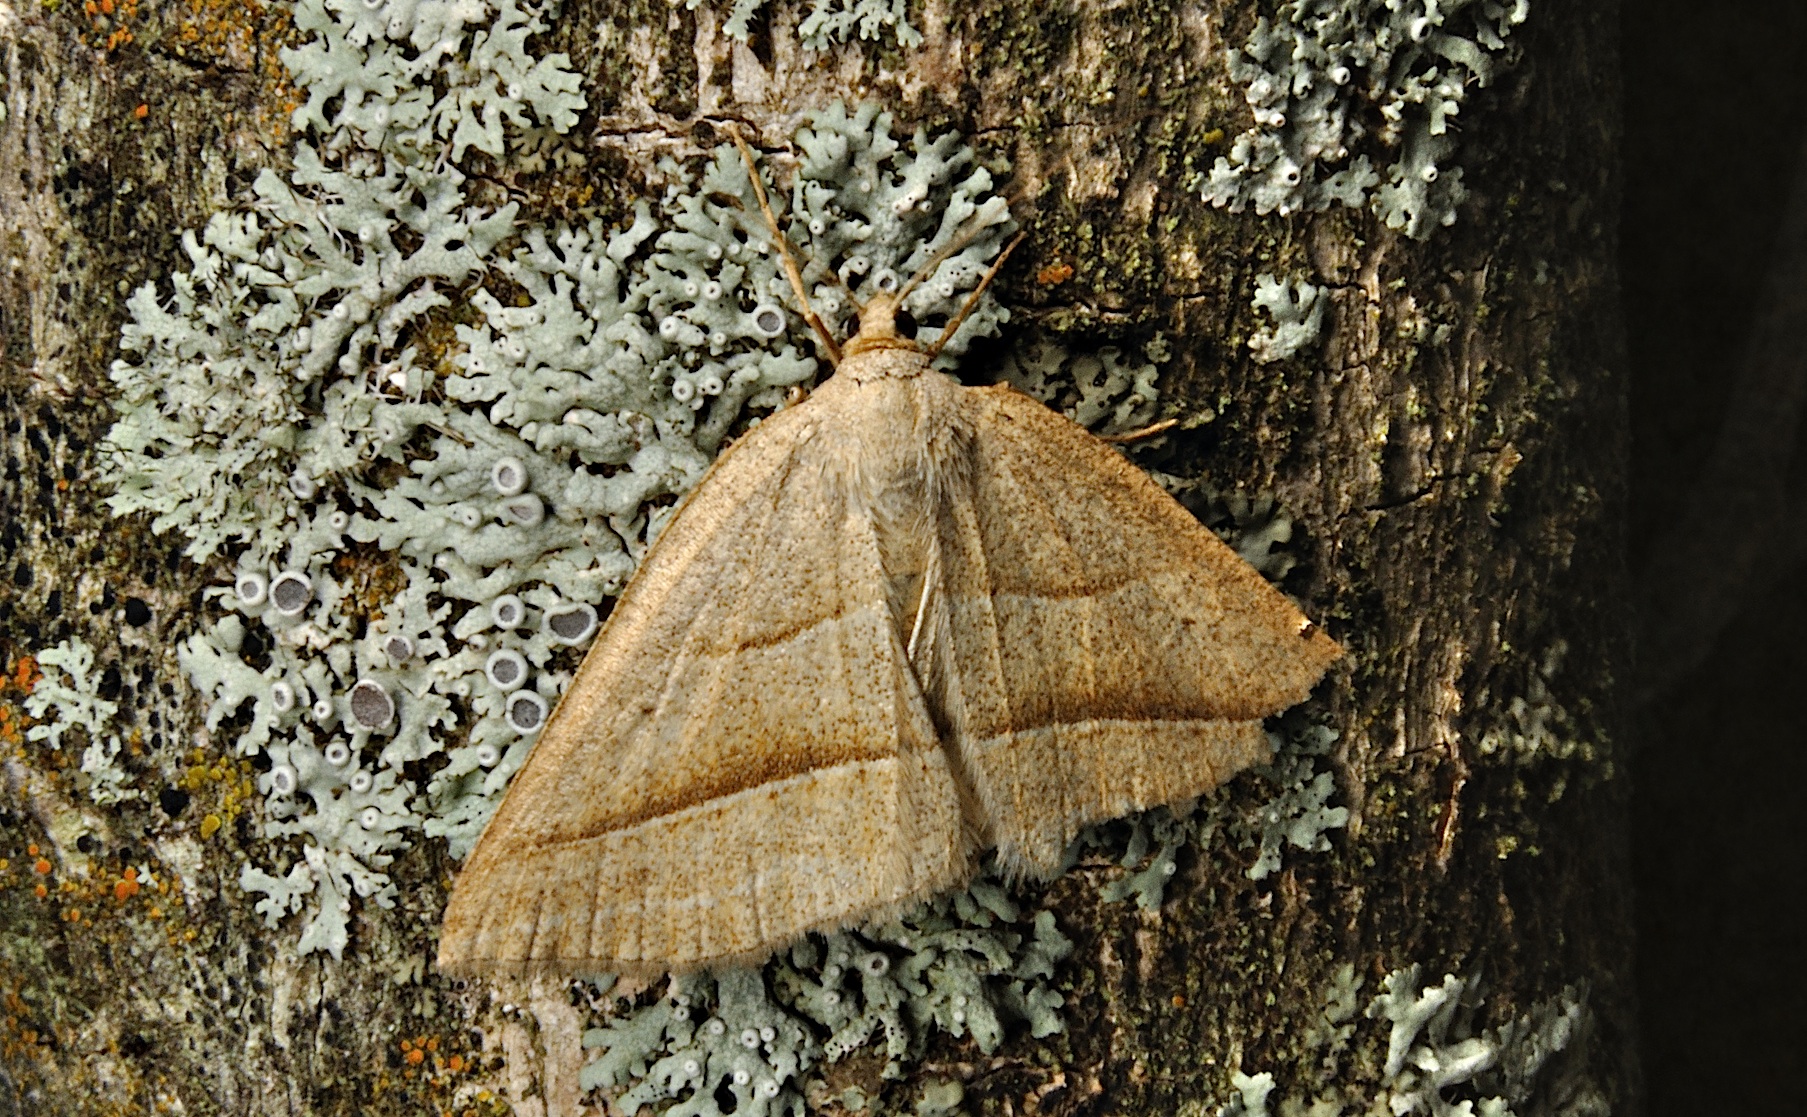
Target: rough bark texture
point(1456, 491)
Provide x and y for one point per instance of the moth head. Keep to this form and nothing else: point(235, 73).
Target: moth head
point(884, 324)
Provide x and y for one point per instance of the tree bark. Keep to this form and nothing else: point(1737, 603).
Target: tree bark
point(1452, 459)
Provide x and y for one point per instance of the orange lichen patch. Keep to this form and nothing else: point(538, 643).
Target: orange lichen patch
point(41, 891)
point(18, 1033)
point(107, 20)
point(124, 890)
point(31, 850)
point(1054, 274)
point(141, 111)
point(42, 867)
point(24, 673)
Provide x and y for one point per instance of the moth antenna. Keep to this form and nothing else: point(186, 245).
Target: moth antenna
point(960, 240)
point(784, 249)
point(972, 300)
point(1138, 435)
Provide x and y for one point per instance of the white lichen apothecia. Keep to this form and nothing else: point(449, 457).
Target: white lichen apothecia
point(1319, 69)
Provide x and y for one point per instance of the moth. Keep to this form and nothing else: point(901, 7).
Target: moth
point(896, 624)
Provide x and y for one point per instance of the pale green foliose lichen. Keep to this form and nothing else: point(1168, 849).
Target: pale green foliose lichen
point(69, 690)
point(1297, 310)
point(968, 965)
point(1102, 390)
point(1294, 812)
point(1536, 726)
point(1320, 69)
point(67, 697)
point(1438, 1061)
point(409, 77)
point(273, 401)
point(831, 21)
point(1254, 526)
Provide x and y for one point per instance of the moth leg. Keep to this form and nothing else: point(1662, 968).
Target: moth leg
point(922, 612)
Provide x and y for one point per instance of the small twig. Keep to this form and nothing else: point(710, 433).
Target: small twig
point(1148, 431)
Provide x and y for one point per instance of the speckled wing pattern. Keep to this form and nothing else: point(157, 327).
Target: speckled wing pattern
point(744, 755)
point(896, 623)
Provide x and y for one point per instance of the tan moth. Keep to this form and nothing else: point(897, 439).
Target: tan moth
point(898, 623)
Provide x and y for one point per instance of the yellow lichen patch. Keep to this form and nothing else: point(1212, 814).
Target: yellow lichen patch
point(232, 781)
point(245, 36)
